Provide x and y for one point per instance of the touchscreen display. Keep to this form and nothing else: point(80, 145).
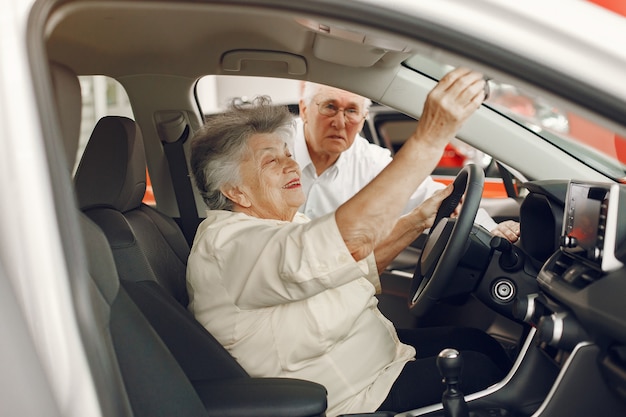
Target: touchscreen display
point(586, 220)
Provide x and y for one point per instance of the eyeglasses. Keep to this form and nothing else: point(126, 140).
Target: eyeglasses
point(352, 114)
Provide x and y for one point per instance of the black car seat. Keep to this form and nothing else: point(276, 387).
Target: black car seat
point(110, 184)
point(150, 253)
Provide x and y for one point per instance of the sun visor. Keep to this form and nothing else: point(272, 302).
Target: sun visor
point(349, 47)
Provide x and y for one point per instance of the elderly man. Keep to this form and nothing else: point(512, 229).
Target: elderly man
point(337, 162)
point(293, 297)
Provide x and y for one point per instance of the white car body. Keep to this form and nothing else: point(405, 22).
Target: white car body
point(39, 228)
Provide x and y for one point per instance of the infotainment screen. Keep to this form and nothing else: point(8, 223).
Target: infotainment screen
point(588, 208)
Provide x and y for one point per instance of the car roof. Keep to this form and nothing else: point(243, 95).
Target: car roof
point(126, 38)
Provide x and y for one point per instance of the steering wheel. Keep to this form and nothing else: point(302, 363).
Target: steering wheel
point(446, 241)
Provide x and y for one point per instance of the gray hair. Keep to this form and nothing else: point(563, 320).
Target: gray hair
point(219, 147)
point(310, 90)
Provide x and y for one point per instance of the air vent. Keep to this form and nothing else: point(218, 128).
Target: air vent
point(574, 272)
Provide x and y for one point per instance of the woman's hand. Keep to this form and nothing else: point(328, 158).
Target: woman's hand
point(453, 100)
point(426, 212)
point(408, 228)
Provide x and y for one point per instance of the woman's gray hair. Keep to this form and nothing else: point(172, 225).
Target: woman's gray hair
point(219, 147)
point(310, 90)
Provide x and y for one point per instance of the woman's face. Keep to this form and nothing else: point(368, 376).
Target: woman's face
point(270, 180)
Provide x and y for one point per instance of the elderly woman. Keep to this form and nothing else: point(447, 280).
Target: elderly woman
point(296, 298)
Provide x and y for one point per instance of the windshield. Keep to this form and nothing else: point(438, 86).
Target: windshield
point(596, 146)
point(591, 143)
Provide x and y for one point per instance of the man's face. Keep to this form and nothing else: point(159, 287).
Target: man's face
point(327, 134)
point(270, 180)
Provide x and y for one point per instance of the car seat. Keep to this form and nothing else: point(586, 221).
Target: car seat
point(150, 253)
point(110, 184)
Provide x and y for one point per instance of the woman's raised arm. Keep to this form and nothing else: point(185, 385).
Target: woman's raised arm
point(368, 217)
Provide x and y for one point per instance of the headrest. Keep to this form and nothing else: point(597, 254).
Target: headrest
point(112, 171)
point(69, 106)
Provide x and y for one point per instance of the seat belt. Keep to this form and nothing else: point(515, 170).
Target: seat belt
point(507, 180)
point(179, 173)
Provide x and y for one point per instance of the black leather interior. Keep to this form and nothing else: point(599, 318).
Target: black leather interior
point(110, 184)
point(170, 364)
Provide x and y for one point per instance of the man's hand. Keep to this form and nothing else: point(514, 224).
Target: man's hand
point(508, 229)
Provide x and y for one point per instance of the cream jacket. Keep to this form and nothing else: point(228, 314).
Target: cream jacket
point(288, 300)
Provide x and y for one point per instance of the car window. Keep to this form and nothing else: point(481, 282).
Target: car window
point(215, 92)
point(385, 126)
point(596, 145)
point(104, 96)
point(390, 128)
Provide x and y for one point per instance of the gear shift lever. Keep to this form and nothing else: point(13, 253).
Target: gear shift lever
point(450, 363)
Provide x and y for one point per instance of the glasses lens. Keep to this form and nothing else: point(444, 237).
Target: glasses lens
point(328, 108)
point(352, 115)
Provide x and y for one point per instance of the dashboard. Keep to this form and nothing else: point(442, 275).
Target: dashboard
point(574, 232)
point(573, 241)
point(565, 278)
point(577, 219)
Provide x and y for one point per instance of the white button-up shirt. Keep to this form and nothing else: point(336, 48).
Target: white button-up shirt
point(287, 299)
point(354, 169)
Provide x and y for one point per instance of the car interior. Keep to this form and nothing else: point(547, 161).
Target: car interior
point(553, 300)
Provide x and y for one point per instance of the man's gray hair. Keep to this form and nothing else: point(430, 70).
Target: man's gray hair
point(310, 90)
point(219, 147)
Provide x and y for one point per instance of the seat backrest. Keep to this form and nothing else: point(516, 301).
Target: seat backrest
point(94, 323)
point(150, 250)
point(110, 184)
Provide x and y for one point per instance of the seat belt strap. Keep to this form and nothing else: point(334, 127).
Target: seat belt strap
point(179, 172)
